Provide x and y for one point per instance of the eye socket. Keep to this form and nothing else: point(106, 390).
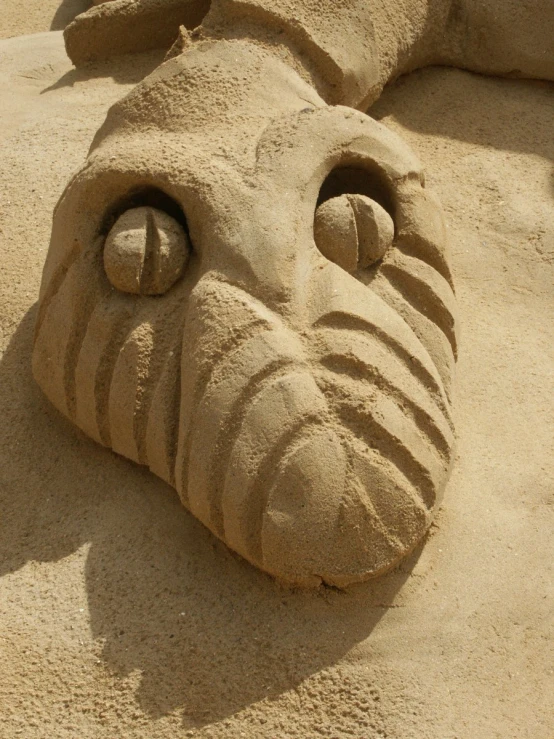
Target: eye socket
point(146, 251)
point(353, 231)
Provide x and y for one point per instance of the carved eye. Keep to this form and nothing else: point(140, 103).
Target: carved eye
point(146, 251)
point(352, 231)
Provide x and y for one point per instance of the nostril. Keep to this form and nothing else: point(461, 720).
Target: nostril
point(353, 231)
point(146, 251)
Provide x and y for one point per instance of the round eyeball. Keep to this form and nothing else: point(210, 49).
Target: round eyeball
point(145, 252)
point(353, 231)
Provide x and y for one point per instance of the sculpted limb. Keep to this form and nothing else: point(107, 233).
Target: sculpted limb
point(501, 37)
point(248, 291)
point(115, 27)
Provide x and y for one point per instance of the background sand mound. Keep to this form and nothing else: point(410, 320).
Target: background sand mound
point(121, 616)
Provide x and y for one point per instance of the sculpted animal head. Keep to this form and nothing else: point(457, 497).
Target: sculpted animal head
point(258, 307)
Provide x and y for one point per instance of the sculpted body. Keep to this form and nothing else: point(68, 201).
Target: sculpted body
point(248, 289)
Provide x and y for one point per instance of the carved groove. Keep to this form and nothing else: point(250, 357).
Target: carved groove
point(387, 490)
point(343, 321)
point(289, 399)
point(427, 331)
point(364, 425)
point(82, 313)
point(104, 375)
point(420, 248)
point(163, 418)
point(231, 428)
point(377, 420)
point(360, 371)
point(54, 285)
point(233, 345)
point(258, 357)
point(267, 471)
point(386, 533)
point(370, 353)
point(173, 429)
point(144, 401)
point(424, 299)
point(166, 322)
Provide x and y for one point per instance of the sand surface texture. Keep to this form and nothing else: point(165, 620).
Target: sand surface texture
point(19, 18)
point(121, 616)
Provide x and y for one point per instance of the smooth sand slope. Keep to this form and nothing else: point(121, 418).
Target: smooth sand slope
point(121, 616)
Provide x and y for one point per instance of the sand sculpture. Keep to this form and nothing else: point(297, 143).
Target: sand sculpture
point(248, 288)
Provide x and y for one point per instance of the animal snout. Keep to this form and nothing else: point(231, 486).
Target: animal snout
point(316, 455)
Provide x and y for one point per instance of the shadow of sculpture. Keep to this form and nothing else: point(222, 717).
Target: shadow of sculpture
point(67, 11)
point(208, 633)
point(130, 70)
point(427, 101)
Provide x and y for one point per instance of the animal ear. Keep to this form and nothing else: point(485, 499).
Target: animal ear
point(117, 27)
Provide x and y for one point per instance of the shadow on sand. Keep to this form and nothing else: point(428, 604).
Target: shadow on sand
point(67, 11)
point(472, 110)
point(130, 69)
point(209, 633)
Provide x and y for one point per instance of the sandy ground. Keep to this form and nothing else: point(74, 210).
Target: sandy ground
point(121, 616)
point(34, 16)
